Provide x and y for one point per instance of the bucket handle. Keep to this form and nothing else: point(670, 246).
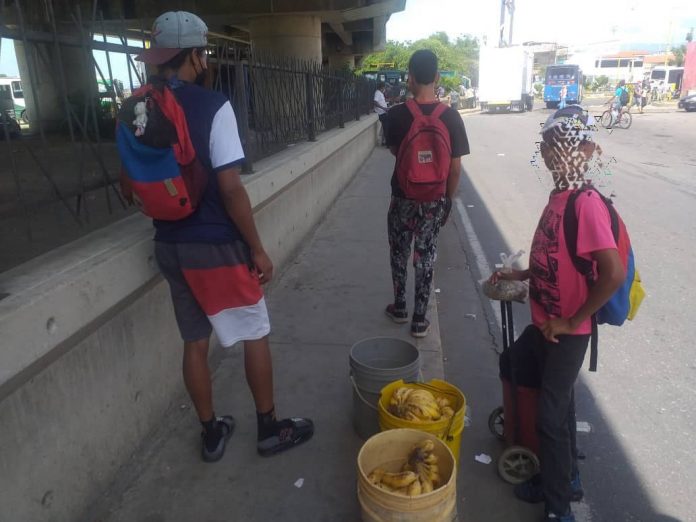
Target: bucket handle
point(357, 390)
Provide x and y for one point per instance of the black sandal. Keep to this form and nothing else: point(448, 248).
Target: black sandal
point(288, 434)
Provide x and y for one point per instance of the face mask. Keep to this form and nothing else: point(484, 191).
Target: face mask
point(201, 77)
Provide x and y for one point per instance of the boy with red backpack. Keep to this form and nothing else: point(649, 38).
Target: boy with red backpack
point(181, 156)
point(428, 140)
point(581, 272)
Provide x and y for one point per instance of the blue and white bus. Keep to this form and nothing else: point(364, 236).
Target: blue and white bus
point(558, 76)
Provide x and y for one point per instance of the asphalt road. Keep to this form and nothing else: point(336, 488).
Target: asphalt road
point(640, 463)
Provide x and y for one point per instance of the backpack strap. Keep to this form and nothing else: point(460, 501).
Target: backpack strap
point(416, 111)
point(439, 110)
point(168, 104)
point(414, 108)
point(594, 341)
point(582, 265)
point(570, 228)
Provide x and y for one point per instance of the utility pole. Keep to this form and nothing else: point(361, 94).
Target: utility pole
point(509, 7)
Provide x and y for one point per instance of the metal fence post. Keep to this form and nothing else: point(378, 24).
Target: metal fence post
point(309, 88)
point(341, 103)
point(241, 102)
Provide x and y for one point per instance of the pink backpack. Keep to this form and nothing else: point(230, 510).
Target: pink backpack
point(423, 161)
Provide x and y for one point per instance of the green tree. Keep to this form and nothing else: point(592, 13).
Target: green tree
point(460, 55)
point(679, 54)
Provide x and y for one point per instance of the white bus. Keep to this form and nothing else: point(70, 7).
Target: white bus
point(672, 76)
point(14, 86)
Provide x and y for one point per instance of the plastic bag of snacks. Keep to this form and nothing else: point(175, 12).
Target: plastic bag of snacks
point(505, 290)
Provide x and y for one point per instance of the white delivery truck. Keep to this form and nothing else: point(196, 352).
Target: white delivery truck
point(505, 79)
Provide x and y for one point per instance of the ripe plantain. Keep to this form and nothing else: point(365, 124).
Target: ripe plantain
point(426, 445)
point(430, 458)
point(443, 402)
point(426, 485)
point(401, 394)
point(376, 476)
point(415, 489)
point(399, 480)
point(433, 473)
point(447, 412)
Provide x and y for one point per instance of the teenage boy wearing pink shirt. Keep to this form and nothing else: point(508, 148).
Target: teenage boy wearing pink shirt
point(562, 304)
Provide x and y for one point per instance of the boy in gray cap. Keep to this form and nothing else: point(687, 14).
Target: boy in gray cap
point(213, 259)
point(562, 303)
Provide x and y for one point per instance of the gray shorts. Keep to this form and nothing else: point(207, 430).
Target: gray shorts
point(214, 287)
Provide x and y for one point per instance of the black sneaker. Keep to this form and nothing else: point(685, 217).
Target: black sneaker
point(287, 434)
point(576, 487)
point(226, 426)
point(398, 315)
point(420, 329)
point(552, 517)
point(532, 491)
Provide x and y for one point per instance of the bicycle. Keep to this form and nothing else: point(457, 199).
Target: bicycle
point(623, 121)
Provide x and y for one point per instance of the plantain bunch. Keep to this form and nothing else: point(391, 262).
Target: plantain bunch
point(417, 405)
point(418, 476)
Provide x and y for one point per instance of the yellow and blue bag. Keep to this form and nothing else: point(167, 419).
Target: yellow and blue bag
point(626, 300)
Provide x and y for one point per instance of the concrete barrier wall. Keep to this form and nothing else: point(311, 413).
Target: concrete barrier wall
point(89, 351)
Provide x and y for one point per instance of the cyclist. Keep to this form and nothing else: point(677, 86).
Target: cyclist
point(619, 101)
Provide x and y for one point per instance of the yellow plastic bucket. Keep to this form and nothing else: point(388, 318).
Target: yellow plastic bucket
point(447, 430)
point(389, 450)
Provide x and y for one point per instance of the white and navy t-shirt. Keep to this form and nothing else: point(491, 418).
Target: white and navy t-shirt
point(213, 129)
point(381, 102)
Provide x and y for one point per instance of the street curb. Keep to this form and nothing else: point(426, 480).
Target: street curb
point(430, 347)
point(468, 111)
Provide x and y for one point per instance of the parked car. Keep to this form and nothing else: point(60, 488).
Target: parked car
point(688, 103)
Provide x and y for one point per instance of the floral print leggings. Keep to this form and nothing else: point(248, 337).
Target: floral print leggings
point(414, 222)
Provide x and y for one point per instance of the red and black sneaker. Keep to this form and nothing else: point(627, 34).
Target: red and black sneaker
point(398, 315)
point(286, 434)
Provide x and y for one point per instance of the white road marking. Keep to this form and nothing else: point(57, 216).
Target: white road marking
point(479, 256)
point(583, 427)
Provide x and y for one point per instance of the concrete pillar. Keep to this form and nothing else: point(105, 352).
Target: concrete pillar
point(38, 64)
point(342, 61)
point(294, 36)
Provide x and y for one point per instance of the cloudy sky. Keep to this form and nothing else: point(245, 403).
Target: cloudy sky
point(631, 21)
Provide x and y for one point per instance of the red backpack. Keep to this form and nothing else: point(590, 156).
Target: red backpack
point(160, 170)
point(423, 161)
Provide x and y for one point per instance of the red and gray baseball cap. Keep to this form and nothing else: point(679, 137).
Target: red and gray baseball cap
point(172, 32)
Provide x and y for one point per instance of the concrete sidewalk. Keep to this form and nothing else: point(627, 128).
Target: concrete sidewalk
point(331, 296)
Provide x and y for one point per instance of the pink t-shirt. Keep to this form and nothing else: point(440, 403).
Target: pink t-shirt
point(556, 288)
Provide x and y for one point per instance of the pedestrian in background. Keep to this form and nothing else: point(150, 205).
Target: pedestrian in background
point(454, 99)
point(380, 105)
point(213, 259)
point(563, 96)
point(638, 96)
point(425, 179)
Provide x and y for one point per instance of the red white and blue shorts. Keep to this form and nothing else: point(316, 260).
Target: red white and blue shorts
point(214, 287)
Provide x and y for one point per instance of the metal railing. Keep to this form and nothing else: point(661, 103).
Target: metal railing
point(59, 177)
